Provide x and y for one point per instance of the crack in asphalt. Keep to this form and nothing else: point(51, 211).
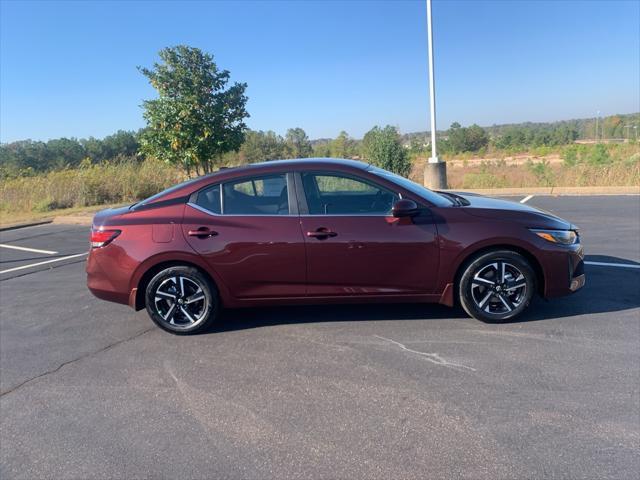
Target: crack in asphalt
point(81, 357)
point(431, 357)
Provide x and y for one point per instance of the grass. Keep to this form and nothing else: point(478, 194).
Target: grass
point(578, 166)
point(90, 187)
point(71, 190)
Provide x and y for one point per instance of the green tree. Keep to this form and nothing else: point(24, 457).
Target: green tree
point(599, 155)
point(343, 146)
point(64, 152)
point(121, 144)
point(322, 148)
point(94, 149)
point(196, 118)
point(382, 147)
point(260, 146)
point(298, 144)
point(25, 154)
point(469, 139)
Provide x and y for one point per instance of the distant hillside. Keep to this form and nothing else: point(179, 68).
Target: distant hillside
point(614, 126)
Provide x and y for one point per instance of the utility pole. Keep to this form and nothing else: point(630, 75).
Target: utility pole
point(435, 171)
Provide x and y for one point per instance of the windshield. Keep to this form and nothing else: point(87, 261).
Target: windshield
point(429, 195)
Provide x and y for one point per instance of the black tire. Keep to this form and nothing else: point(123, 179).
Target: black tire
point(514, 283)
point(181, 300)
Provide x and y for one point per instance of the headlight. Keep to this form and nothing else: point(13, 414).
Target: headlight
point(564, 237)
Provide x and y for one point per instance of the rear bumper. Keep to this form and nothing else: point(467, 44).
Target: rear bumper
point(103, 285)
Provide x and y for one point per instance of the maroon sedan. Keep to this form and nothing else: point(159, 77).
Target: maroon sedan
point(322, 230)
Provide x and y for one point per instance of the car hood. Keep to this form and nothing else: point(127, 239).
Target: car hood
point(496, 208)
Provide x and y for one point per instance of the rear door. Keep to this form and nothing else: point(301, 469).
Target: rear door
point(248, 231)
point(355, 246)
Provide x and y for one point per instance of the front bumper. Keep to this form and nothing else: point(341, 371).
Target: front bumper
point(564, 272)
point(577, 283)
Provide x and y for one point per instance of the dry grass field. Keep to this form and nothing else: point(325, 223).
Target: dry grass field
point(74, 190)
point(574, 166)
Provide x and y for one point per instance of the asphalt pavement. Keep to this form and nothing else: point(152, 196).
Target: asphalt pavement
point(90, 389)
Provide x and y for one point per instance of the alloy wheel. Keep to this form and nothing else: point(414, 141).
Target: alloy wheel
point(181, 302)
point(498, 288)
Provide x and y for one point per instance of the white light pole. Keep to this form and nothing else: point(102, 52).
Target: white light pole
point(432, 88)
point(435, 171)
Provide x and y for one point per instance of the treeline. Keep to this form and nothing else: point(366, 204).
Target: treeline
point(260, 145)
point(619, 126)
point(523, 136)
point(26, 156)
point(380, 146)
point(29, 156)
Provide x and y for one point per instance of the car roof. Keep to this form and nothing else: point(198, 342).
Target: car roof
point(317, 161)
point(229, 173)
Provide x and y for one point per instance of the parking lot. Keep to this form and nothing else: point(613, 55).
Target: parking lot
point(90, 389)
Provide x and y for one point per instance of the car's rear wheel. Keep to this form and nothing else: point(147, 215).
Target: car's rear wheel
point(181, 300)
point(496, 286)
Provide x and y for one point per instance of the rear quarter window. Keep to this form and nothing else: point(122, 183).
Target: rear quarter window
point(209, 199)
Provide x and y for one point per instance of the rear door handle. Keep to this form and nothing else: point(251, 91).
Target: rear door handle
point(202, 232)
point(322, 233)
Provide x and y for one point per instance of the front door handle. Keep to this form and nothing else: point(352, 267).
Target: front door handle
point(202, 232)
point(322, 233)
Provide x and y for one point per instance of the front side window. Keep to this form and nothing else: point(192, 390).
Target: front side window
point(336, 194)
point(435, 198)
point(266, 195)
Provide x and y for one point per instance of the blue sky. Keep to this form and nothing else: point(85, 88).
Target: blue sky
point(69, 68)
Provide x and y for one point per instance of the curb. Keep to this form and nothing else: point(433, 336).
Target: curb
point(627, 190)
point(74, 220)
point(16, 226)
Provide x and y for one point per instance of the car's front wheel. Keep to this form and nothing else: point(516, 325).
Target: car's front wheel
point(496, 286)
point(181, 300)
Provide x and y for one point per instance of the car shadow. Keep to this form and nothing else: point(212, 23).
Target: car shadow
point(607, 290)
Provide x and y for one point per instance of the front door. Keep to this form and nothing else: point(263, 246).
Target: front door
point(354, 245)
point(249, 236)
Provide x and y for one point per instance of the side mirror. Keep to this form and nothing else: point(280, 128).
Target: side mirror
point(405, 208)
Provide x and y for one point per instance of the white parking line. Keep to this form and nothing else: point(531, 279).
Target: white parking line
point(15, 269)
point(606, 264)
point(526, 199)
point(25, 249)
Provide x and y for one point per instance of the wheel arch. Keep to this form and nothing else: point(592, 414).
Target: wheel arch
point(147, 271)
point(472, 254)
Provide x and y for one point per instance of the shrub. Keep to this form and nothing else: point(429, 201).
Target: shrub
point(382, 147)
point(483, 180)
point(599, 155)
point(543, 171)
point(570, 155)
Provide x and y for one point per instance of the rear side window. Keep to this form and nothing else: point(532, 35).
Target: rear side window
point(256, 196)
point(209, 199)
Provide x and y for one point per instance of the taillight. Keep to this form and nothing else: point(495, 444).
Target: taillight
point(100, 238)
